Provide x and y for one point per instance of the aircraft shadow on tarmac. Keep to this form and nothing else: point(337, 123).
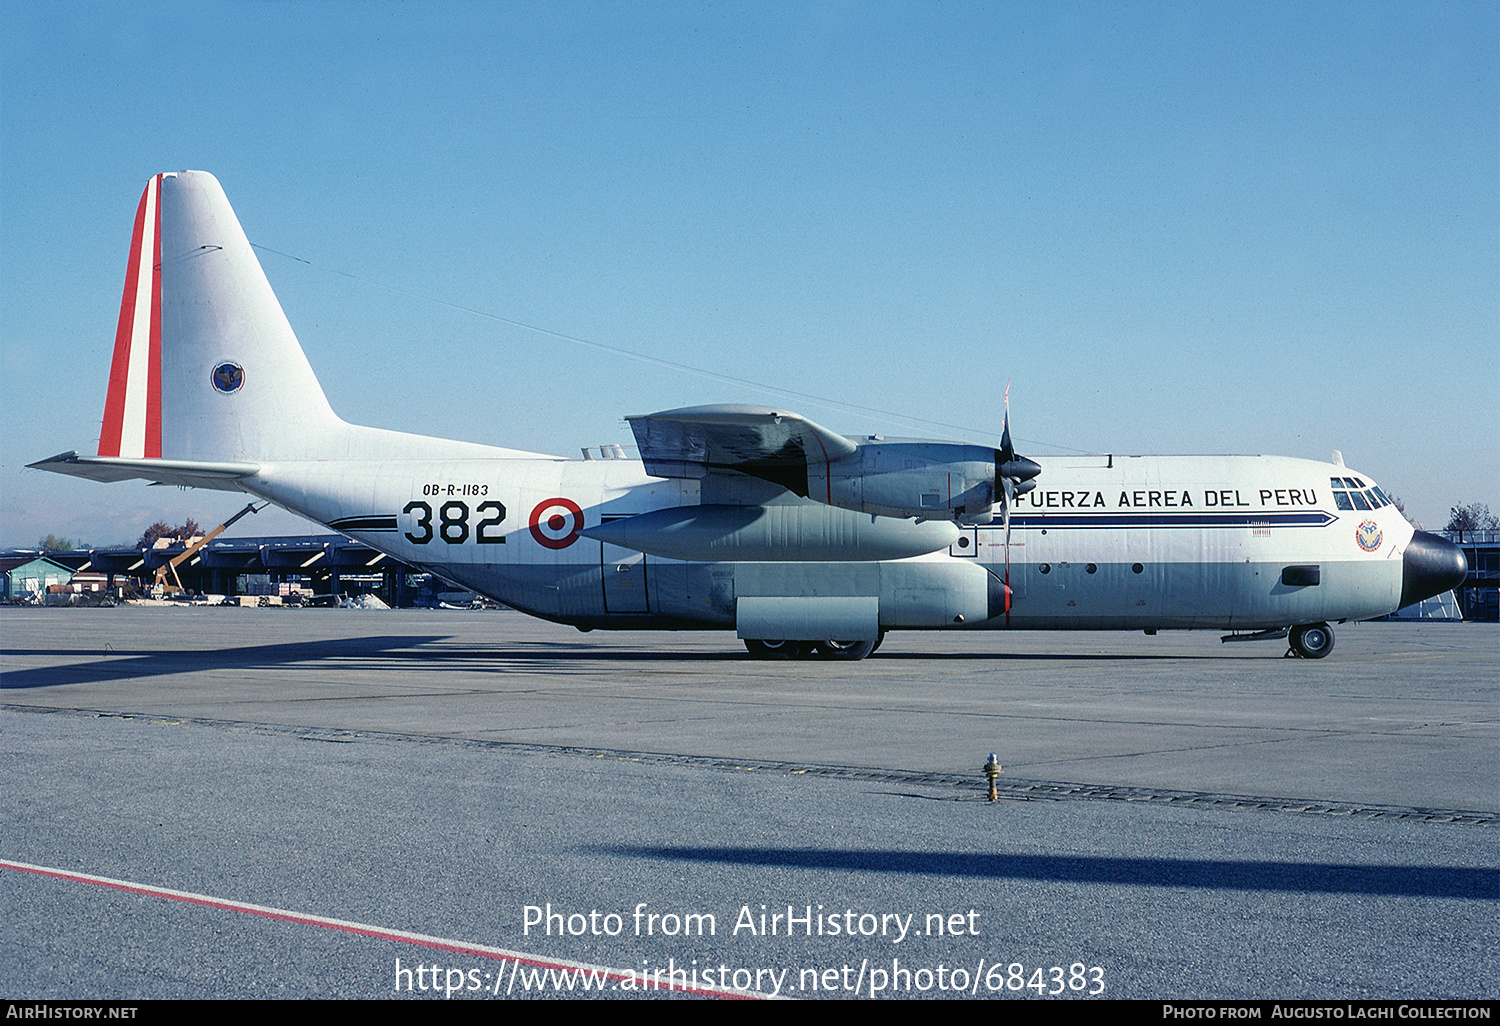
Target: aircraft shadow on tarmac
point(124, 664)
point(1213, 874)
point(127, 665)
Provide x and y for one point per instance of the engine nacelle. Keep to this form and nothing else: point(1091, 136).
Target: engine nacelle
point(930, 480)
point(799, 532)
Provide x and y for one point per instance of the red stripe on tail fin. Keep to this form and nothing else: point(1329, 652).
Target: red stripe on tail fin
point(119, 368)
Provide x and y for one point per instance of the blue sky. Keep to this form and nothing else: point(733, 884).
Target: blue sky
point(1173, 227)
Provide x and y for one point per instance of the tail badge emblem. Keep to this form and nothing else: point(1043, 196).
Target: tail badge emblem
point(228, 377)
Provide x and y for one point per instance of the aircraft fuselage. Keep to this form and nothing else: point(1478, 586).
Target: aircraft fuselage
point(1106, 542)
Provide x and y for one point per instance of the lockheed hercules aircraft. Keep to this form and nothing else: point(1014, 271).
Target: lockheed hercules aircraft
point(803, 541)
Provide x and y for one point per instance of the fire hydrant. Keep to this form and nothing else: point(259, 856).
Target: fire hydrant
point(992, 770)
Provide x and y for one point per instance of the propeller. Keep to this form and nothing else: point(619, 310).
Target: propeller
point(1014, 475)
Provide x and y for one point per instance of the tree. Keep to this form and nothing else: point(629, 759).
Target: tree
point(52, 543)
point(161, 530)
point(1473, 517)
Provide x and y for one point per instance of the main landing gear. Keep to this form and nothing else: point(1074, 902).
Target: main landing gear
point(1310, 641)
point(842, 650)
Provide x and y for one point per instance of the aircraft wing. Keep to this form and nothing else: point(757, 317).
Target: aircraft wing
point(185, 473)
point(756, 440)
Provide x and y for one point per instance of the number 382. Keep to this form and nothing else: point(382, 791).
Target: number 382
point(453, 523)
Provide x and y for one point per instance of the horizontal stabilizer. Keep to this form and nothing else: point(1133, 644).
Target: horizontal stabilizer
point(185, 473)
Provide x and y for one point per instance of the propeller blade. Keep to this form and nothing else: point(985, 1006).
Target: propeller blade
point(1007, 451)
point(1013, 469)
point(1009, 496)
point(1013, 476)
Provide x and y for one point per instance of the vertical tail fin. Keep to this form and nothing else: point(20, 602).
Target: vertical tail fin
point(206, 366)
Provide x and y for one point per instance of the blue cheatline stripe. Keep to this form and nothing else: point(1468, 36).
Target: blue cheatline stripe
point(1315, 518)
point(363, 524)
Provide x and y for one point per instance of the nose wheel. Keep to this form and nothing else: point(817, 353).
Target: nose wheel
point(1310, 640)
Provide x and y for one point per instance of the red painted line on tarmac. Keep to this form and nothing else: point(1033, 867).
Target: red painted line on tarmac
point(643, 979)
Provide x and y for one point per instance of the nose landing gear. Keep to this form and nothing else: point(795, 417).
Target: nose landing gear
point(1310, 640)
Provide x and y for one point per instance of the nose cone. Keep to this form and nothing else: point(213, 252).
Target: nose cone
point(1431, 566)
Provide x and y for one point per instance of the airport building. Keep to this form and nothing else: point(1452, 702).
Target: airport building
point(314, 566)
point(1479, 595)
point(25, 574)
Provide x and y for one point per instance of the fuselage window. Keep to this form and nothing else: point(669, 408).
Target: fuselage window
point(1341, 500)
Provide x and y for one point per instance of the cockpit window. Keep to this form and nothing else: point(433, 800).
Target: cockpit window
point(1349, 494)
